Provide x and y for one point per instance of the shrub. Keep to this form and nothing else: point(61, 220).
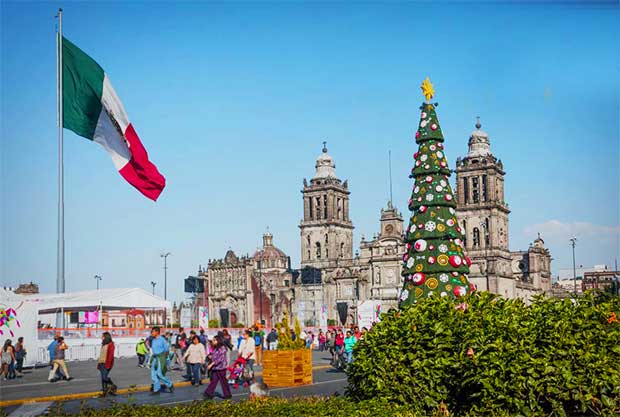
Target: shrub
point(490, 355)
point(214, 323)
point(278, 407)
point(238, 326)
point(285, 341)
point(331, 322)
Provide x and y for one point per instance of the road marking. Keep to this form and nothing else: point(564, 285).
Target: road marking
point(31, 384)
point(270, 390)
point(83, 395)
point(30, 410)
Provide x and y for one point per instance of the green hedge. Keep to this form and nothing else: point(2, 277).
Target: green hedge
point(272, 407)
point(493, 356)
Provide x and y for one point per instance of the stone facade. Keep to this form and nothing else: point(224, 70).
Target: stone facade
point(240, 289)
point(483, 215)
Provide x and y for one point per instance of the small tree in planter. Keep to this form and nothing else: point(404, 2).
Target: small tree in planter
point(291, 363)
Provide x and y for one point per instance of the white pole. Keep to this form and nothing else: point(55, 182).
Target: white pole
point(60, 272)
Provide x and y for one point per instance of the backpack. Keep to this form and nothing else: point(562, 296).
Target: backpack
point(257, 339)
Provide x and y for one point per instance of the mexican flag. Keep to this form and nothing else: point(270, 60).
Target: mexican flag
point(92, 109)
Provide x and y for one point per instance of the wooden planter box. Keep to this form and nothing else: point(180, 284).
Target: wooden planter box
point(287, 368)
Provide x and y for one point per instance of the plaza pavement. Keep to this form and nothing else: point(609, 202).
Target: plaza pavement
point(19, 395)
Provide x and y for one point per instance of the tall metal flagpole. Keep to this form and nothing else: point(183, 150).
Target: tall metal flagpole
point(60, 272)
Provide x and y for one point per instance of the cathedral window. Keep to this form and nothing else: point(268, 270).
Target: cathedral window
point(311, 208)
point(318, 250)
point(325, 206)
point(342, 249)
point(339, 204)
point(484, 188)
point(326, 253)
point(466, 189)
point(318, 208)
point(476, 237)
point(486, 232)
point(464, 233)
point(308, 254)
point(326, 239)
point(475, 189)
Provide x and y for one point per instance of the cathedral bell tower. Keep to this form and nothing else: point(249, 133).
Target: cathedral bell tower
point(326, 230)
point(481, 209)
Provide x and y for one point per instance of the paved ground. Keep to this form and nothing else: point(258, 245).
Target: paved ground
point(327, 381)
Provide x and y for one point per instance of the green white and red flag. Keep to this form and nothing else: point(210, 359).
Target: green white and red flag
point(92, 109)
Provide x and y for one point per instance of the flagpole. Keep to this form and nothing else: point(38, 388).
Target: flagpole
point(60, 262)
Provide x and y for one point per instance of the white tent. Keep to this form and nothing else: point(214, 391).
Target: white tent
point(105, 299)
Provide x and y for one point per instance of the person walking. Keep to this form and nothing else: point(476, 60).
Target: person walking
point(272, 340)
point(141, 351)
point(227, 341)
point(322, 340)
point(105, 364)
point(7, 358)
point(20, 355)
point(179, 343)
point(258, 345)
point(339, 345)
point(218, 367)
point(160, 349)
point(203, 338)
point(247, 349)
point(50, 349)
point(59, 360)
point(195, 356)
point(349, 342)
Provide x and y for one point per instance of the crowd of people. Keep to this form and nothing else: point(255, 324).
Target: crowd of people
point(195, 354)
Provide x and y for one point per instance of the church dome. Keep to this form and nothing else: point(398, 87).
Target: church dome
point(269, 251)
point(479, 144)
point(325, 166)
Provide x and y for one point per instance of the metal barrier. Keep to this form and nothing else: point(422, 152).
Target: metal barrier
point(87, 352)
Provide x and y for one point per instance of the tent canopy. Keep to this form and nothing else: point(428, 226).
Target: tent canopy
point(107, 299)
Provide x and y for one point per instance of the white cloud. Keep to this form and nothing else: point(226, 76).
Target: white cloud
point(555, 229)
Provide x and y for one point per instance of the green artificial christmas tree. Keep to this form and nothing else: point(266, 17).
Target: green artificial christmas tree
point(435, 261)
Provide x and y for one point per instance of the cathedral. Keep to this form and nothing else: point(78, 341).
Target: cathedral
point(332, 280)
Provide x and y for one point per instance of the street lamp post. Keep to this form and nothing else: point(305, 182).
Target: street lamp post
point(260, 290)
point(153, 284)
point(573, 241)
point(165, 256)
point(98, 278)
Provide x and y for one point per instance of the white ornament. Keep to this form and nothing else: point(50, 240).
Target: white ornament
point(429, 226)
point(443, 248)
point(416, 189)
point(432, 147)
point(424, 115)
point(443, 293)
point(410, 262)
point(423, 123)
point(451, 210)
point(443, 183)
point(404, 295)
point(429, 197)
point(420, 245)
point(430, 293)
point(444, 278)
point(438, 188)
point(439, 154)
point(424, 157)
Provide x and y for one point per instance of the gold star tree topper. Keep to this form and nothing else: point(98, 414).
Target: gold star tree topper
point(427, 89)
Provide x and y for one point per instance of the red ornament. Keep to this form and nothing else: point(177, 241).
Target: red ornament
point(421, 226)
point(431, 260)
point(428, 179)
point(431, 247)
point(472, 287)
point(417, 135)
point(422, 209)
point(415, 155)
point(468, 261)
point(433, 126)
point(443, 164)
point(448, 197)
point(455, 261)
point(418, 278)
point(460, 291)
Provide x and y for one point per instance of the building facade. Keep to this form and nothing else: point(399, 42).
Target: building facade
point(483, 214)
point(248, 290)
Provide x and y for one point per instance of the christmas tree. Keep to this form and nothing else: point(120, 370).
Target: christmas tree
point(435, 261)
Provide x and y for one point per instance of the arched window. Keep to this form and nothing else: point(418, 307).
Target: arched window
point(318, 208)
point(464, 233)
point(475, 189)
point(308, 254)
point(318, 250)
point(339, 204)
point(476, 237)
point(311, 200)
point(486, 233)
point(466, 190)
point(484, 187)
point(325, 206)
point(342, 250)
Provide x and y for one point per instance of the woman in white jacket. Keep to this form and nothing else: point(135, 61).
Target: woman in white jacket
point(247, 349)
point(195, 355)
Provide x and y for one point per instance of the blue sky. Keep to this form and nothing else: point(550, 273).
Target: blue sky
point(232, 101)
